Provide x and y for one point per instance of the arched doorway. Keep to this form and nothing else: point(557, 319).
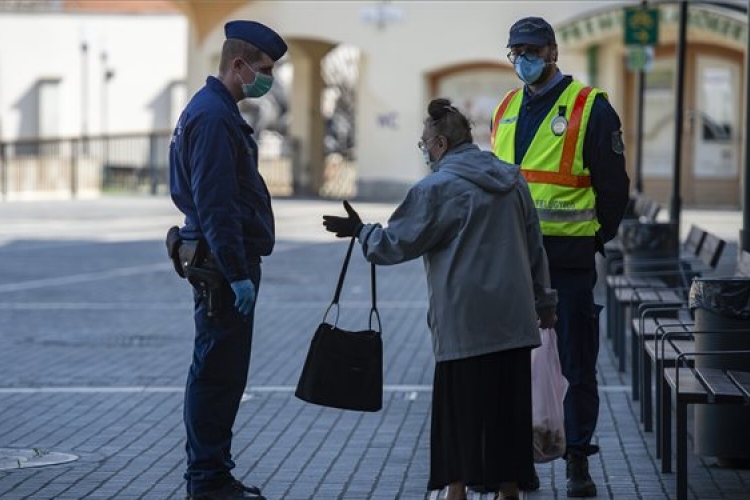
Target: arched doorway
point(475, 88)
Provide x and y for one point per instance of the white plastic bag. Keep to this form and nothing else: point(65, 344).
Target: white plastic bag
point(548, 387)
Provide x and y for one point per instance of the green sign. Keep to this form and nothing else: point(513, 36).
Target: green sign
point(641, 26)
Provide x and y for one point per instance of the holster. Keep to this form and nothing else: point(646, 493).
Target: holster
point(192, 260)
point(173, 249)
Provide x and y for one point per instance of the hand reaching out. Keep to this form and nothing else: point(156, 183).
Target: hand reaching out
point(344, 227)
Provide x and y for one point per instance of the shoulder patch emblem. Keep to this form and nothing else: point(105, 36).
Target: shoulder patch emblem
point(618, 147)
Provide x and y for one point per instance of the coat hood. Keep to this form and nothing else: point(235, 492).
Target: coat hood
point(481, 168)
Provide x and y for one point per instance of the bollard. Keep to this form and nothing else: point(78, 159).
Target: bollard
point(722, 304)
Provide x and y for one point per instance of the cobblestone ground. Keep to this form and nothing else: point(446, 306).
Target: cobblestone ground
point(96, 338)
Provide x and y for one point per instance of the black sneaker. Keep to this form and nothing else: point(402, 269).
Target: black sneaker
point(580, 484)
point(532, 485)
point(233, 490)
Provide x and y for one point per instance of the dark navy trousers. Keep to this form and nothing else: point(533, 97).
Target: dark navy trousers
point(578, 344)
point(215, 384)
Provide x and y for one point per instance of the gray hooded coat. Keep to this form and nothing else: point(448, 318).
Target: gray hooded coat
point(474, 223)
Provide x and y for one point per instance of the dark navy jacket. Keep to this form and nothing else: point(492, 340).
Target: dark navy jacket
point(602, 155)
point(214, 181)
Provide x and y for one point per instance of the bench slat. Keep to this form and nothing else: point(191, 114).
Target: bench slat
point(651, 324)
point(623, 281)
point(742, 381)
point(718, 385)
point(667, 296)
point(691, 390)
point(671, 350)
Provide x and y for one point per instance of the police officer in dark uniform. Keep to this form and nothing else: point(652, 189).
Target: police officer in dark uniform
point(229, 226)
point(568, 140)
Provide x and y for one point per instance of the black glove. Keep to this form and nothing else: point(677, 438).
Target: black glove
point(344, 227)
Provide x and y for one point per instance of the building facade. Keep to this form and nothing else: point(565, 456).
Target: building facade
point(84, 88)
point(66, 72)
point(411, 52)
point(359, 74)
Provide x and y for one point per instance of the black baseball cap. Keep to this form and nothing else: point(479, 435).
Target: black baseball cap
point(531, 31)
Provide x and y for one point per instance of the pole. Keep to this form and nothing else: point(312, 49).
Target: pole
point(84, 95)
point(745, 231)
point(84, 89)
point(639, 125)
point(639, 133)
point(676, 205)
point(103, 105)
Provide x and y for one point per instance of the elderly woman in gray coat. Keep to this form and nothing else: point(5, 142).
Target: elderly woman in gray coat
point(474, 223)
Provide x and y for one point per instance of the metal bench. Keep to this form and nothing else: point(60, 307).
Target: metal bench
point(690, 384)
point(628, 298)
point(654, 320)
point(625, 299)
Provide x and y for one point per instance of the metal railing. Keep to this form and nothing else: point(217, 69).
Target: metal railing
point(134, 163)
point(84, 166)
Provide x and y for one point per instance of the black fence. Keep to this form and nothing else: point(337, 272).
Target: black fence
point(137, 163)
point(85, 166)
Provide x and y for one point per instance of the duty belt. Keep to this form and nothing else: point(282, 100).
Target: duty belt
point(192, 261)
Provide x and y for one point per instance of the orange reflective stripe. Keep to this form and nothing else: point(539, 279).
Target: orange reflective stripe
point(499, 115)
point(564, 175)
point(574, 128)
point(556, 178)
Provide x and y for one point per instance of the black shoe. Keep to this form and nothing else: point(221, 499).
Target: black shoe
point(580, 484)
point(233, 490)
point(532, 485)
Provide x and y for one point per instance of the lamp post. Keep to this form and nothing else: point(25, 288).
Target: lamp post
point(107, 75)
point(745, 231)
point(676, 202)
point(84, 94)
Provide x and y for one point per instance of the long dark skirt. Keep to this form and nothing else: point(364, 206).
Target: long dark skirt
point(481, 421)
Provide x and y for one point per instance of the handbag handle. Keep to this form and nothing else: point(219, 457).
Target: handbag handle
point(340, 285)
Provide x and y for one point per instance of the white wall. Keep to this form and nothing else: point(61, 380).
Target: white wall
point(396, 61)
point(146, 52)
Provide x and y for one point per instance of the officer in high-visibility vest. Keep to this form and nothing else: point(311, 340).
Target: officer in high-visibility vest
point(567, 138)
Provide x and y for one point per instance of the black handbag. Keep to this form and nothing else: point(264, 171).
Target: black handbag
point(344, 369)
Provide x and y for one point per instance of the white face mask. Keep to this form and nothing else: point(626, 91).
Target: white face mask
point(426, 153)
point(426, 156)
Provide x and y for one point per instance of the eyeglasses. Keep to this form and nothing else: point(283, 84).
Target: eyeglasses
point(530, 54)
point(422, 144)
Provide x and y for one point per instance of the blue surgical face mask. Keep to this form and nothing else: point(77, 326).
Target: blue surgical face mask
point(260, 86)
point(529, 71)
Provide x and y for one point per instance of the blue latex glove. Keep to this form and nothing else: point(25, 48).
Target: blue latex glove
point(244, 293)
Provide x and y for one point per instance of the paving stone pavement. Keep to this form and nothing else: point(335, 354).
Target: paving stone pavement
point(96, 337)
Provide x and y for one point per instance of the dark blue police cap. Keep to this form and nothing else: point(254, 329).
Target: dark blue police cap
point(258, 35)
point(531, 31)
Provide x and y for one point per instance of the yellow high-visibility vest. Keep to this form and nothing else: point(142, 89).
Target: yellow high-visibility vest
point(553, 165)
